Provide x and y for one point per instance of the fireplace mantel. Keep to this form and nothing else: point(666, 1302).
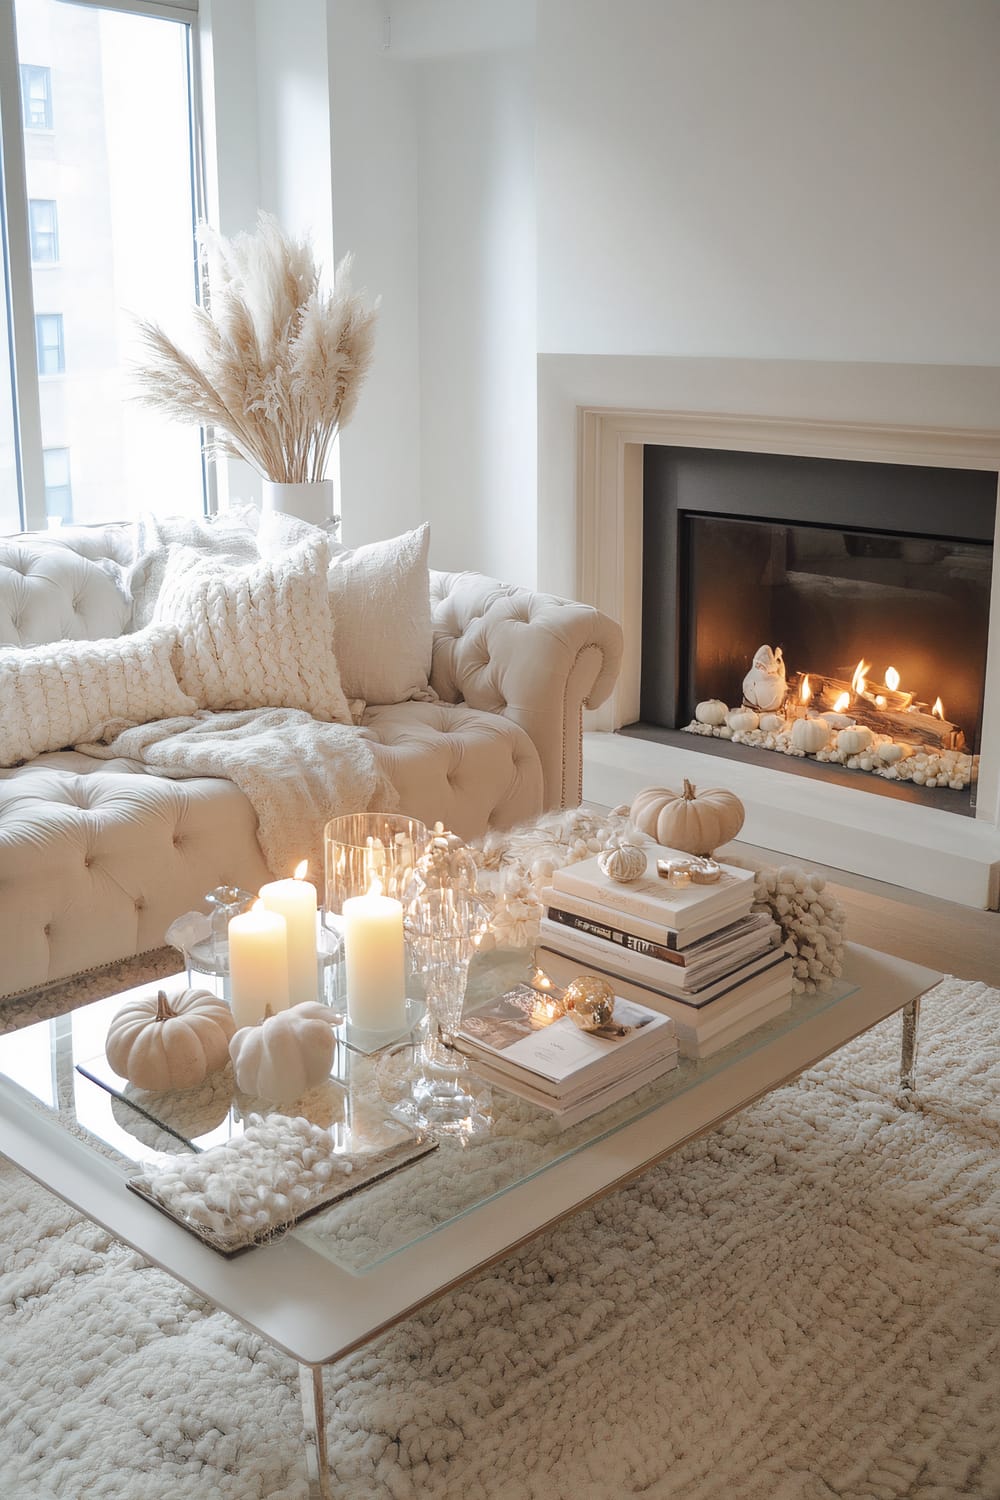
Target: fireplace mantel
point(613, 407)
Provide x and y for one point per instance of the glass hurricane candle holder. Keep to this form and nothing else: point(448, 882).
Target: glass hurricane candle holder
point(362, 847)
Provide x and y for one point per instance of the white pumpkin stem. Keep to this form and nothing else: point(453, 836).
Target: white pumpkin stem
point(164, 1010)
point(689, 791)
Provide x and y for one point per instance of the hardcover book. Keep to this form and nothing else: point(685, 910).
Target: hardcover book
point(717, 925)
point(700, 1032)
point(653, 898)
point(691, 967)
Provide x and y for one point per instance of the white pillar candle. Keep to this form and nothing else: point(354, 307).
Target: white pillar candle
point(295, 900)
point(258, 964)
point(375, 959)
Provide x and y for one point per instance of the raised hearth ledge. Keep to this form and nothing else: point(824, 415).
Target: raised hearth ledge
point(917, 848)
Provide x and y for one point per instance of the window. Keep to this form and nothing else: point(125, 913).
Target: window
point(49, 343)
point(44, 229)
point(106, 200)
point(36, 97)
point(58, 490)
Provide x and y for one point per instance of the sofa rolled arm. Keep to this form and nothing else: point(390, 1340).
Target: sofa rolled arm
point(534, 658)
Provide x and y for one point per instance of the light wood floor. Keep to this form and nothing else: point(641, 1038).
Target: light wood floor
point(955, 939)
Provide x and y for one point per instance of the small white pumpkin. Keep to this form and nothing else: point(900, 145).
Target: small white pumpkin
point(161, 1043)
point(765, 685)
point(889, 753)
point(695, 822)
point(853, 741)
point(772, 723)
point(742, 720)
point(810, 735)
point(713, 711)
point(623, 863)
point(286, 1054)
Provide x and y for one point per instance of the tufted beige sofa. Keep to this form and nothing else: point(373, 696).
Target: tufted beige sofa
point(98, 857)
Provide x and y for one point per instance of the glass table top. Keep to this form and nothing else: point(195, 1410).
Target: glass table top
point(59, 1066)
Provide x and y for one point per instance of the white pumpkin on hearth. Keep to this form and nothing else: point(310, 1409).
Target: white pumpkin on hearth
point(712, 712)
point(810, 735)
point(742, 720)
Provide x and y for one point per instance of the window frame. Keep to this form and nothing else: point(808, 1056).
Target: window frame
point(52, 489)
point(37, 233)
point(16, 269)
point(25, 70)
point(43, 346)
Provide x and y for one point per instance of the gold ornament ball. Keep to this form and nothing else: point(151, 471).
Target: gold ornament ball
point(591, 1002)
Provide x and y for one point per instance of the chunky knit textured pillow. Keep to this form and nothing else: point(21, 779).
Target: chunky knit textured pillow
point(66, 691)
point(255, 637)
point(228, 539)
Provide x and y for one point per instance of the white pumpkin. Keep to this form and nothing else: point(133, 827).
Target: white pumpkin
point(713, 711)
point(772, 723)
point(695, 822)
point(286, 1054)
point(810, 735)
point(742, 720)
point(853, 741)
point(764, 686)
point(890, 753)
point(161, 1043)
point(623, 863)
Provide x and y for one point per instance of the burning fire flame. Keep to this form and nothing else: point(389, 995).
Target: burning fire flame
point(301, 869)
point(842, 703)
point(805, 691)
point(938, 709)
point(860, 679)
point(891, 679)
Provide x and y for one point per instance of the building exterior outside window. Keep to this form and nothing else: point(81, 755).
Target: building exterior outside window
point(43, 226)
point(107, 208)
point(36, 97)
point(49, 341)
point(58, 490)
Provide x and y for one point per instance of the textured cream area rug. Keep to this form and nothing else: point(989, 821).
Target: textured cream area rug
point(805, 1305)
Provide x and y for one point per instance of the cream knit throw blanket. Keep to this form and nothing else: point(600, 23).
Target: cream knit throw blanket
point(295, 771)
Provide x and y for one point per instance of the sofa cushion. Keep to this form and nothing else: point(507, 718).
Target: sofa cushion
point(380, 598)
point(48, 592)
point(472, 770)
point(97, 858)
point(257, 636)
point(67, 691)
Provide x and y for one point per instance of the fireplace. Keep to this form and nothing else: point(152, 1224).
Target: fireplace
point(866, 586)
point(597, 416)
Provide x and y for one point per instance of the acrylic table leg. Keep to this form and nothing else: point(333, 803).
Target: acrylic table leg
point(908, 1057)
point(314, 1423)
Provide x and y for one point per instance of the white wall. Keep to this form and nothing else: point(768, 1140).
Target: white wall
point(477, 311)
point(793, 179)
point(374, 163)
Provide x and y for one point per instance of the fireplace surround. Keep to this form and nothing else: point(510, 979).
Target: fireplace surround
point(597, 415)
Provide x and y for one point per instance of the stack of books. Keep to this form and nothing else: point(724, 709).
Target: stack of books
point(554, 1064)
point(696, 953)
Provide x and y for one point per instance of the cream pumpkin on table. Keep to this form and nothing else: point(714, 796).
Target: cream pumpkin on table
point(696, 822)
point(160, 1042)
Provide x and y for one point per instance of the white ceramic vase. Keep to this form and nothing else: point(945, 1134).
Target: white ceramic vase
point(312, 501)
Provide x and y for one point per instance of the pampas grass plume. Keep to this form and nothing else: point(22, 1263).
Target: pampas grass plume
point(280, 360)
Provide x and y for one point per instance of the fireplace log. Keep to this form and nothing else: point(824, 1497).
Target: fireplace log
point(911, 724)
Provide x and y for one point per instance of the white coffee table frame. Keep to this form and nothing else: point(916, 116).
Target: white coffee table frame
point(316, 1313)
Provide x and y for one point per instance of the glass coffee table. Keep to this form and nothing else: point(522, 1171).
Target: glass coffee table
point(344, 1275)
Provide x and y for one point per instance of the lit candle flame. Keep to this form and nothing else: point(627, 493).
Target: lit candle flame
point(891, 679)
point(301, 869)
point(860, 680)
point(842, 703)
point(938, 709)
point(805, 691)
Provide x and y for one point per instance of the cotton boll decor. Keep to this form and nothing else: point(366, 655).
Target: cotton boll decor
point(811, 921)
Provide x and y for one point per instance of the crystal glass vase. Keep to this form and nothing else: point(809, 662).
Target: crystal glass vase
point(445, 919)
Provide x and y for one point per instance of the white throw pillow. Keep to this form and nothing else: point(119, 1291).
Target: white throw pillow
point(255, 637)
point(229, 539)
point(380, 598)
point(65, 692)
